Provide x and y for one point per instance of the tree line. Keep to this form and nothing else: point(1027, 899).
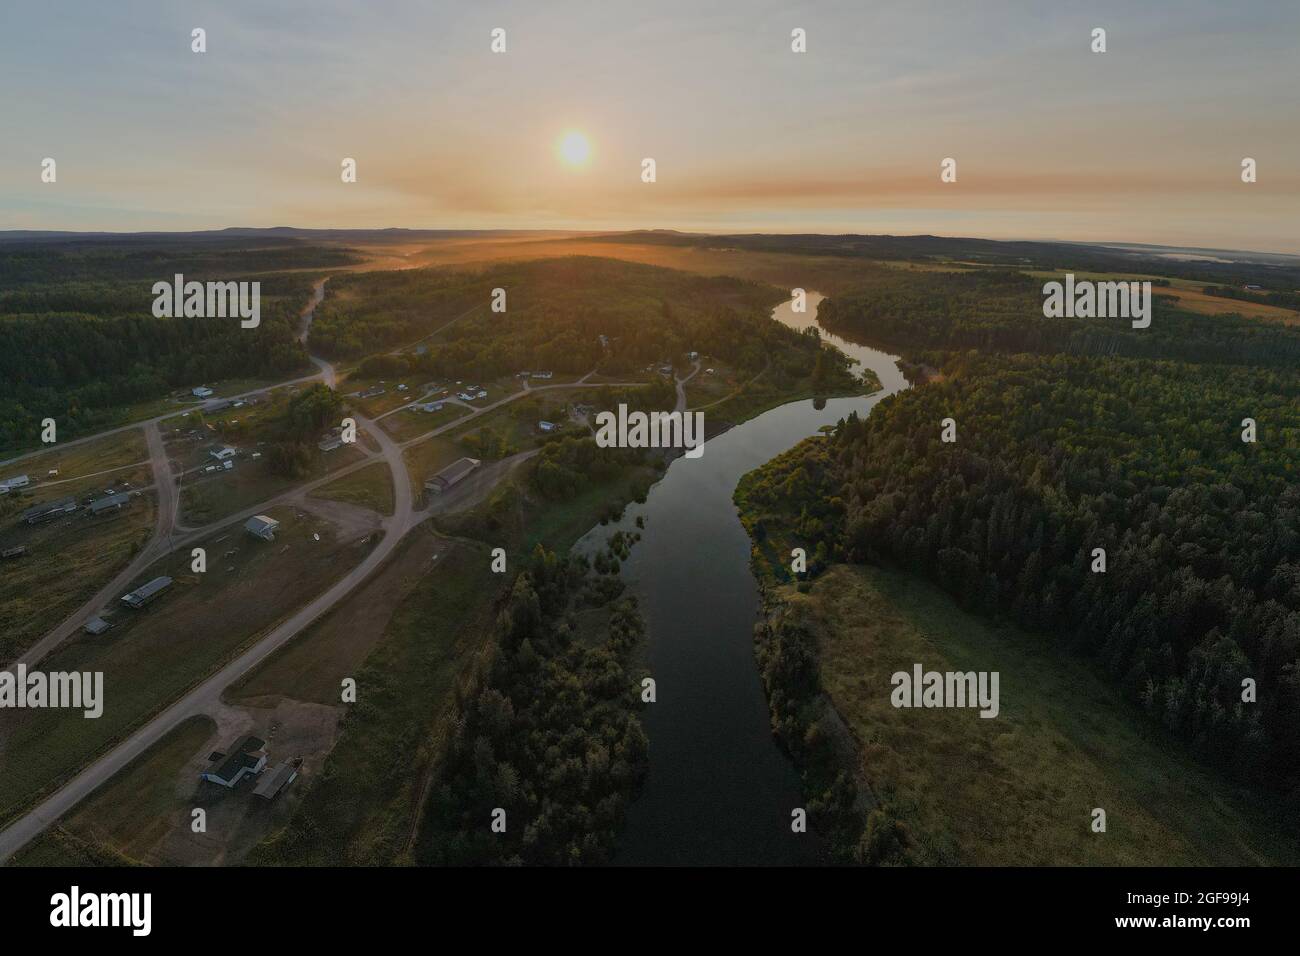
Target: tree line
point(1002, 311)
point(566, 315)
point(1062, 462)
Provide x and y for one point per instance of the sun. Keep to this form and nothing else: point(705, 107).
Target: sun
point(575, 149)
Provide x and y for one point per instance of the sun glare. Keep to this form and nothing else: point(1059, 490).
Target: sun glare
point(574, 149)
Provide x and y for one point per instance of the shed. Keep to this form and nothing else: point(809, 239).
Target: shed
point(262, 526)
point(275, 780)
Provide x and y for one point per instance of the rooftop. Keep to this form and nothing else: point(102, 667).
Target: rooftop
point(457, 470)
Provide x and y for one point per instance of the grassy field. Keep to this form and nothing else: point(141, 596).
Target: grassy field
point(829, 274)
point(408, 424)
point(213, 497)
point(67, 561)
point(113, 454)
point(363, 808)
point(705, 388)
point(516, 518)
point(1018, 789)
point(1190, 295)
point(370, 487)
point(151, 657)
point(517, 422)
point(311, 667)
point(125, 819)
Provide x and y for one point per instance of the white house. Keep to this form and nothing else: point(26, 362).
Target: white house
point(201, 392)
point(247, 759)
point(19, 481)
point(222, 453)
point(546, 426)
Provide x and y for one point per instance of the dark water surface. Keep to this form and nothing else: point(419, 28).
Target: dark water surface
point(720, 791)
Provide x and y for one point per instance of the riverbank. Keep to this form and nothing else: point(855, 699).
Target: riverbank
point(944, 786)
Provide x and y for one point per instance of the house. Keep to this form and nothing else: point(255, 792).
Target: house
point(260, 526)
point(221, 454)
point(246, 759)
point(374, 391)
point(146, 592)
point(201, 392)
point(547, 426)
point(692, 355)
point(543, 374)
point(50, 510)
point(452, 475)
point(111, 503)
point(429, 407)
point(96, 625)
point(227, 465)
point(275, 780)
point(1250, 287)
point(19, 481)
point(401, 388)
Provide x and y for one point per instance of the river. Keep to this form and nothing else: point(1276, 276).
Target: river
point(720, 790)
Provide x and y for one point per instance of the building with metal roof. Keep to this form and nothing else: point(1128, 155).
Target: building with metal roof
point(261, 526)
point(50, 510)
point(275, 780)
point(111, 503)
point(452, 475)
point(147, 592)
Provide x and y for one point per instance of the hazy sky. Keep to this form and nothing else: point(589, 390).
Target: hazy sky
point(1141, 144)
